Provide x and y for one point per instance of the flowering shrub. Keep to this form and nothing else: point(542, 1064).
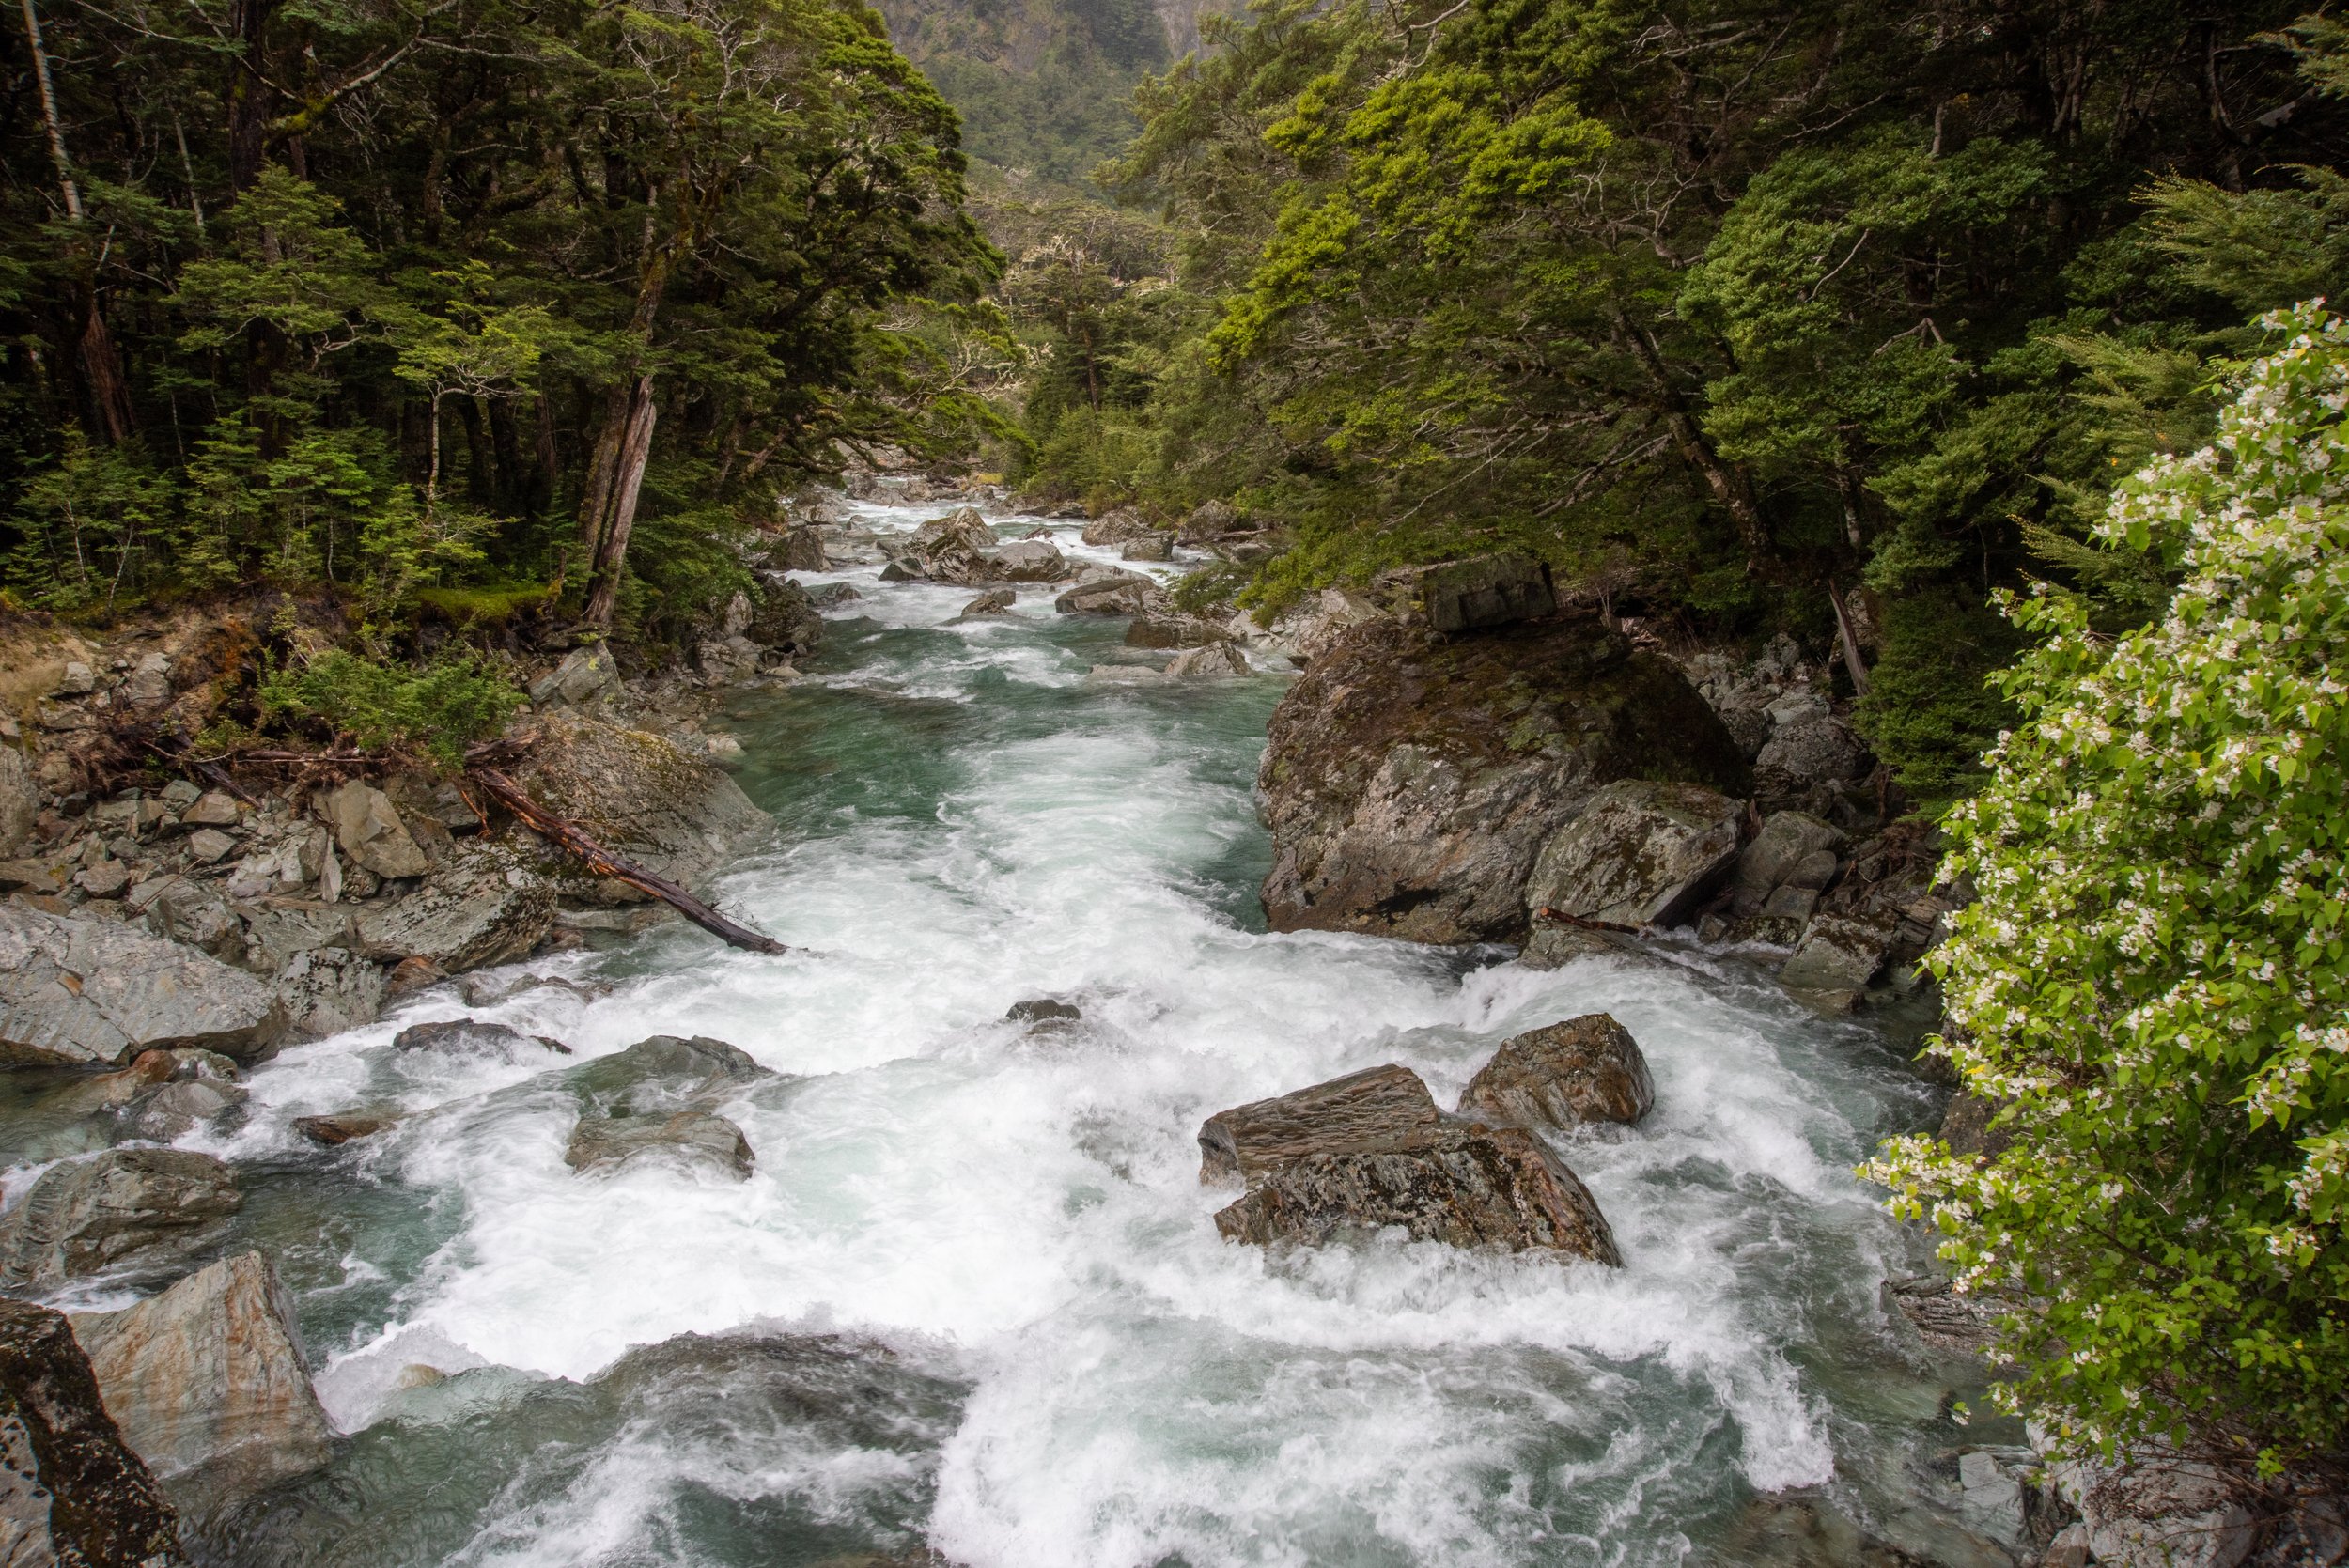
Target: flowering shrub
point(2154, 983)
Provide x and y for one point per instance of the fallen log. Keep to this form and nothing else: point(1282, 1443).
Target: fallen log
point(506, 792)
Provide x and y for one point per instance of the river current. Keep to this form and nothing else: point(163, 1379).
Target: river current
point(972, 1299)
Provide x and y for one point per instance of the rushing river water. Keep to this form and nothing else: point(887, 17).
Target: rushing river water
point(971, 1299)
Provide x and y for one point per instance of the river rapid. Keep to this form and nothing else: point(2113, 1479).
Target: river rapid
point(972, 1299)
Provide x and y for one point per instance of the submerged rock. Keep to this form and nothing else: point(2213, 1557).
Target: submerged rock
point(208, 1383)
point(697, 1138)
point(1373, 1109)
point(1465, 1186)
point(77, 991)
point(475, 1038)
point(72, 1491)
point(1639, 854)
point(667, 1072)
point(1587, 1069)
point(344, 1127)
point(1411, 779)
point(140, 1207)
point(1041, 1011)
point(163, 1093)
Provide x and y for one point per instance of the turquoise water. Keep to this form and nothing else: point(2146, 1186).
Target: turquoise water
point(972, 1299)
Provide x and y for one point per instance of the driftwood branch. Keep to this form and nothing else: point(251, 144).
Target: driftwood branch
point(506, 792)
point(210, 773)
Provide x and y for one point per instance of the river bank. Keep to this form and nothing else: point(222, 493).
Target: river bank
point(968, 1298)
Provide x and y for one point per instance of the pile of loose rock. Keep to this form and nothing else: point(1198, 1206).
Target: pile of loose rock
point(1371, 1150)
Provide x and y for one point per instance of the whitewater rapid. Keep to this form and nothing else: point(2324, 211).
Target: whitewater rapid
point(1049, 1359)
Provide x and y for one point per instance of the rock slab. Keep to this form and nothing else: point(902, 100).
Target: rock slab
point(89, 991)
point(1587, 1069)
point(72, 1492)
point(209, 1386)
point(124, 1206)
point(1486, 591)
point(697, 1137)
point(1369, 1110)
point(1465, 1186)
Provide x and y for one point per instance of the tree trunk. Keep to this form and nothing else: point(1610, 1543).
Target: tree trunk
point(102, 366)
point(628, 439)
point(248, 95)
point(1728, 484)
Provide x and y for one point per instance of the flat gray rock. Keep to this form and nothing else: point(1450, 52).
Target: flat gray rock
point(72, 1492)
point(694, 1138)
point(481, 906)
point(77, 992)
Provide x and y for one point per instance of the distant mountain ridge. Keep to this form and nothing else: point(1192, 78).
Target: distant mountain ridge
point(1044, 85)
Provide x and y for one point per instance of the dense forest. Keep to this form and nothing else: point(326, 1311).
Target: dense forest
point(1749, 317)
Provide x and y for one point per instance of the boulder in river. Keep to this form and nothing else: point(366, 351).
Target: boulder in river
point(474, 1037)
point(1464, 1186)
point(1372, 1108)
point(208, 1383)
point(1175, 631)
point(1042, 1013)
point(1117, 526)
point(163, 1093)
point(1587, 1069)
point(345, 1126)
point(1216, 661)
point(667, 1072)
point(961, 529)
point(1640, 853)
point(695, 1138)
point(72, 1492)
point(786, 618)
point(1120, 594)
point(1028, 561)
point(995, 601)
point(1838, 957)
point(139, 1206)
point(1152, 546)
point(1411, 779)
point(86, 991)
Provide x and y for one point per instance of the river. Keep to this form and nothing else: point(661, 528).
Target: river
point(971, 1299)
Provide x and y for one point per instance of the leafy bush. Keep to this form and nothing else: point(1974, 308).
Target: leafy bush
point(2155, 984)
point(435, 710)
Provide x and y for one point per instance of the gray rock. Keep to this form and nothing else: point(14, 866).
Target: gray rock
point(1839, 953)
point(1042, 1012)
point(1797, 708)
point(1587, 1069)
point(640, 796)
point(825, 594)
point(19, 802)
point(327, 991)
point(1173, 631)
point(149, 684)
point(1125, 594)
point(1117, 526)
point(1216, 661)
point(1465, 1186)
point(1124, 674)
point(368, 827)
point(161, 1095)
point(215, 808)
point(1638, 854)
point(209, 845)
point(802, 550)
point(79, 991)
point(1793, 904)
point(344, 1127)
point(1945, 1320)
point(995, 601)
point(72, 1492)
point(1411, 780)
point(1373, 1109)
point(961, 529)
point(195, 913)
point(140, 1207)
point(695, 1138)
point(666, 1073)
point(1211, 520)
point(482, 905)
point(2159, 1511)
point(475, 1038)
point(105, 879)
point(1486, 591)
point(1812, 751)
point(79, 680)
point(1750, 727)
point(786, 619)
point(1152, 546)
point(1029, 560)
point(1815, 871)
point(1787, 840)
point(584, 674)
point(1967, 1126)
point(209, 1386)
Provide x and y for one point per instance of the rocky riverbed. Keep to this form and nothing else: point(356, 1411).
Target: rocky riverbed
point(1095, 1179)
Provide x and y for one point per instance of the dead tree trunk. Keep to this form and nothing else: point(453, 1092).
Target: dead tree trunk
point(604, 863)
point(609, 515)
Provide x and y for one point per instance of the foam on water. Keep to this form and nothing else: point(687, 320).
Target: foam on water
point(1028, 1209)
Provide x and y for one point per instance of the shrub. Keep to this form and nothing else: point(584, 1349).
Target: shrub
point(2155, 984)
point(434, 710)
point(1931, 710)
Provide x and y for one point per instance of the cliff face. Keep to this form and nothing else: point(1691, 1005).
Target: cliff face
point(1044, 85)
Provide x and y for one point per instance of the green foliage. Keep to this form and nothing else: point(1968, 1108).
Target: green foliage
point(2155, 981)
point(1931, 711)
point(434, 710)
point(89, 526)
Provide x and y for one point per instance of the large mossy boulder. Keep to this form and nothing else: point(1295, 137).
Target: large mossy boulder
point(639, 795)
point(1412, 777)
point(1640, 853)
